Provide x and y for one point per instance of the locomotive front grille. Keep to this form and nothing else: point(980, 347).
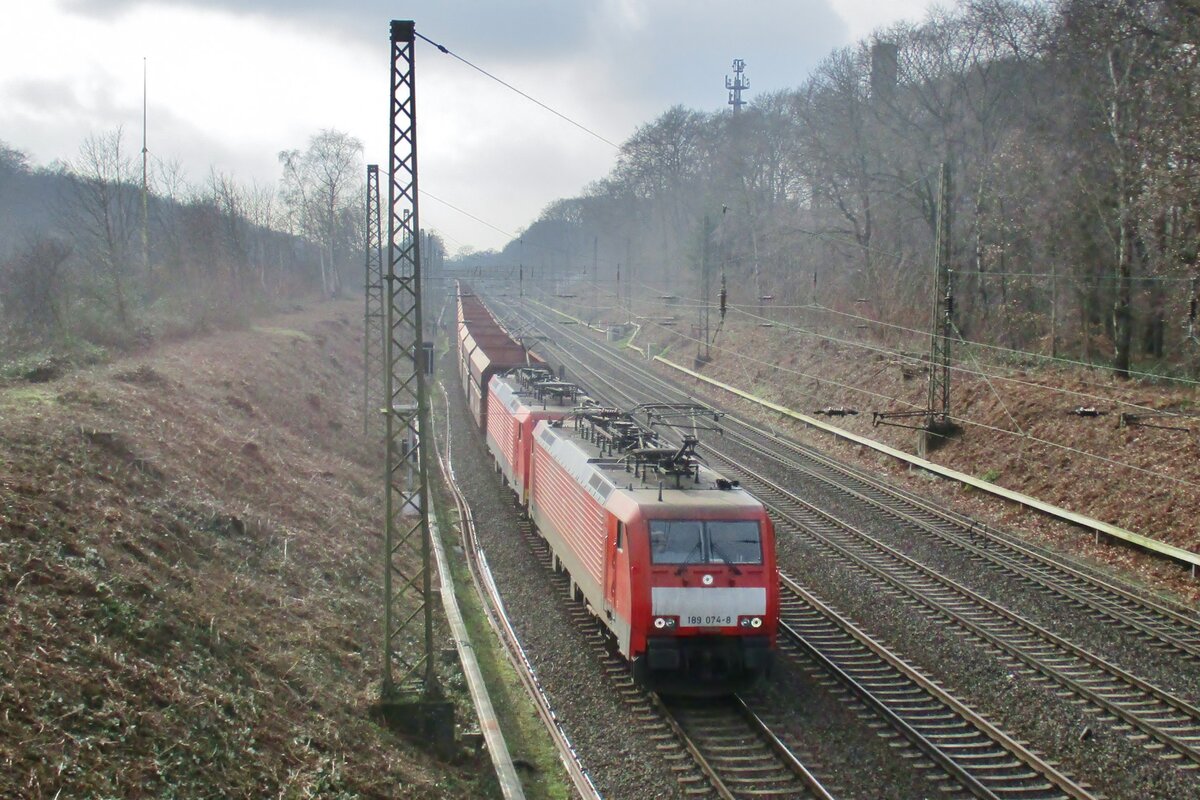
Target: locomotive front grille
point(703, 664)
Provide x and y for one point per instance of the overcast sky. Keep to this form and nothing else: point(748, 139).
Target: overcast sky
point(232, 82)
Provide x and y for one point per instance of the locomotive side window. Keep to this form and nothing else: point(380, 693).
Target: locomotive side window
point(675, 541)
point(734, 542)
point(620, 535)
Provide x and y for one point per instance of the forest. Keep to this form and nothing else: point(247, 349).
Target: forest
point(1070, 135)
point(88, 266)
point(1068, 131)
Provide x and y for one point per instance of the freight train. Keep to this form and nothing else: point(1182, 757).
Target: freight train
point(676, 561)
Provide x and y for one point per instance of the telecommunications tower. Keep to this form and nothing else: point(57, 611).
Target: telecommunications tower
point(736, 85)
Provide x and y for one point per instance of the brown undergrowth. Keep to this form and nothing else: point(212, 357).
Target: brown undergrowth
point(189, 572)
point(1141, 478)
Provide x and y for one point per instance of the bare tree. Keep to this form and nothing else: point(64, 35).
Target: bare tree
point(102, 208)
point(321, 187)
point(261, 211)
point(169, 183)
point(229, 200)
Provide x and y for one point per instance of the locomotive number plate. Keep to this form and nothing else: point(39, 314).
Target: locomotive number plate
point(709, 620)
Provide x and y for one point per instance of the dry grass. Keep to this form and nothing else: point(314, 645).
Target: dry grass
point(188, 577)
point(1139, 478)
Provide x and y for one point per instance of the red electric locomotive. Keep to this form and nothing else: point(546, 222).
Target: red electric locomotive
point(676, 561)
point(517, 401)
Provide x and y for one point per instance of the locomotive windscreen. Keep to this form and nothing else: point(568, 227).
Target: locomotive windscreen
point(734, 542)
point(710, 542)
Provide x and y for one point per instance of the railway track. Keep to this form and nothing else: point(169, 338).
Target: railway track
point(1155, 623)
point(724, 752)
point(1148, 715)
point(1152, 622)
point(717, 748)
point(493, 606)
point(735, 754)
point(746, 758)
point(1143, 709)
point(981, 759)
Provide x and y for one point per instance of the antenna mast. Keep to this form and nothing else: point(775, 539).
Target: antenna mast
point(145, 178)
point(736, 86)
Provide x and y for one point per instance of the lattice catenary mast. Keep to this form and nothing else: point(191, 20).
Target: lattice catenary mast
point(374, 334)
point(943, 310)
point(408, 611)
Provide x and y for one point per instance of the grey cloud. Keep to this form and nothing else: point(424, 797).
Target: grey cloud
point(49, 120)
point(36, 93)
point(514, 29)
point(39, 98)
point(681, 44)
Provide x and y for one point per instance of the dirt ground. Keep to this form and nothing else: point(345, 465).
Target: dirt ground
point(188, 576)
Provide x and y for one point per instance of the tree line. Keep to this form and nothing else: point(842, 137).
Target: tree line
point(83, 258)
point(1070, 130)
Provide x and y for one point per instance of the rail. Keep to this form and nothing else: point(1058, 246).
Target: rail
point(506, 772)
point(1099, 527)
point(493, 606)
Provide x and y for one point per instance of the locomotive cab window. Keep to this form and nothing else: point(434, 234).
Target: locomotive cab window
point(734, 542)
point(676, 541)
point(711, 542)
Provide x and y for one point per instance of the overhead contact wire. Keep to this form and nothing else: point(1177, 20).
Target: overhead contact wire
point(962, 420)
point(530, 98)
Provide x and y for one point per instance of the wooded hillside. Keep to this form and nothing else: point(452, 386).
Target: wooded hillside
point(84, 264)
point(1070, 133)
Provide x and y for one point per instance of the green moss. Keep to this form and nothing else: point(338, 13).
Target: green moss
point(25, 396)
point(988, 475)
point(67, 354)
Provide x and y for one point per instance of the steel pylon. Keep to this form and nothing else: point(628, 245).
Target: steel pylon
point(941, 323)
point(408, 613)
point(374, 334)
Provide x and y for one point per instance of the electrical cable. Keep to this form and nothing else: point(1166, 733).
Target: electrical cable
point(961, 420)
point(506, 84)
point(1066, 276)
point(741, 309)
point(782, 368)
point(979, 372)
point(1000, 348)
point(956, 367)
point(1077, 451)
point(988, 380)
point(448, 204)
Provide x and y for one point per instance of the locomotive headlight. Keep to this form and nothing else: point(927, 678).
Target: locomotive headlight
point(750, 622)
point(665, 623)
point(756, 622)
point(660, 623)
